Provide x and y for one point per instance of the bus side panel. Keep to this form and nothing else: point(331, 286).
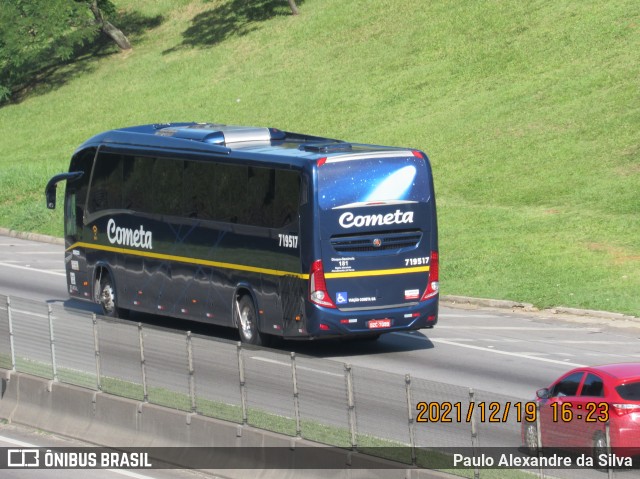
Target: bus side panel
point(192, 270)
point(282, 300)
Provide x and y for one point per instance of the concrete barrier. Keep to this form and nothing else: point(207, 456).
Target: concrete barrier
point(8, 395)
point(33, 405)
point(115, 421)
point(107, 420)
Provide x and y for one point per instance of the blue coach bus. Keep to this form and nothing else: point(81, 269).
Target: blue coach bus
point(275, 233)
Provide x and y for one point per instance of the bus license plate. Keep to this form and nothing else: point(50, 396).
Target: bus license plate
point(379, 323)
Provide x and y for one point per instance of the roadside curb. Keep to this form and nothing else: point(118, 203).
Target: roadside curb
point(453, 300)
point(31, 236)
point(515, 306)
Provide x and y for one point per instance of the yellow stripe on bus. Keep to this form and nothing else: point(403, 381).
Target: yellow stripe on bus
point(185, 259)
point(376, 272)
point(241, 267)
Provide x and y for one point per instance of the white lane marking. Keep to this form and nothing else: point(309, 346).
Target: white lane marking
point(15, 442)
point(612, 355)
point(546, 341)
point(570, 341)
point(31, 313)
point(122, 472)
point(35, 245)
point(304, 368)
point(491, 350)
point(506, 353)
point(57, 253)
point(517, 328)
point(466, 315)
point(32, 269)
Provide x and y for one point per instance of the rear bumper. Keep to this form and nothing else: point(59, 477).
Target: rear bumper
point(330, 323)
point(625, 439)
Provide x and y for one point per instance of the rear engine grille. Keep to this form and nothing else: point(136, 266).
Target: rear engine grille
point(374, 242)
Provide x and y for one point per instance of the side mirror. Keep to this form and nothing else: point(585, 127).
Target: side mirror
point(50, 194)
point(543, 393)
point(50, 190)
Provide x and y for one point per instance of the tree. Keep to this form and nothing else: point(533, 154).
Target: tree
point(36, 35)
point(294, 7)
point(107, 27)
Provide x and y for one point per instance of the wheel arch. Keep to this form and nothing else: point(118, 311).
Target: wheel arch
point(99, 270)
point(245, 289)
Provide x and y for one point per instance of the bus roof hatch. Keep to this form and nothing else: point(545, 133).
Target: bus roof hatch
point(221, 134)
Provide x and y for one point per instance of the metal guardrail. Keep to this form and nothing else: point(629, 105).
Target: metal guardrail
point(317, 399)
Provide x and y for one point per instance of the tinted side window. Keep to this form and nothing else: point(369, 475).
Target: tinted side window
point(199, 187)
point(592, 386)
point(77, 190)
point(106, 183)
point(229, 202)
point(258, 210)
point(137, 186)
point(239, 194)
point(167, 187)
point(568, 386)
point(287, 198)
point(82, 162)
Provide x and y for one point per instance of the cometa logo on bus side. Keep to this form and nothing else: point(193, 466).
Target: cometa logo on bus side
point(129, 237)
point(348, 219)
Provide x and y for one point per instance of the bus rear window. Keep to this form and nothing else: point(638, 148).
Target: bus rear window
point(373, 181)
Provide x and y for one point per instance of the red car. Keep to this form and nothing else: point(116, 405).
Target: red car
point(576, 407)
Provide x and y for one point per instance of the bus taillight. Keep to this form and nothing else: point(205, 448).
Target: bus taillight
point(432, 284)
point(318, 287)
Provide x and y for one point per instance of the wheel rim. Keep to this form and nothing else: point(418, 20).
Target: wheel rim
point(532, 438)
point(246, 323)
point(108, 298)
point(599, 445)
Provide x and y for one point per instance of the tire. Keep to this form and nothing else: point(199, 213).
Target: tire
point(105, 296)
point(531, 438)
point(247, 322)
point(599, 445)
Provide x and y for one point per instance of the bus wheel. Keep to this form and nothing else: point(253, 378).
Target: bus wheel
point(106, 297)
point(248, 322)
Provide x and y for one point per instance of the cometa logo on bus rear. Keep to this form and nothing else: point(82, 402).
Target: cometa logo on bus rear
point(348, 219)
point(129, 237)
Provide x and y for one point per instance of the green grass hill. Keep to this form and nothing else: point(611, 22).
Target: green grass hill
point(529, 111)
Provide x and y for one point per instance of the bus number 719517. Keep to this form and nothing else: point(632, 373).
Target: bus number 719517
point(288, 241)
point(416, 261)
